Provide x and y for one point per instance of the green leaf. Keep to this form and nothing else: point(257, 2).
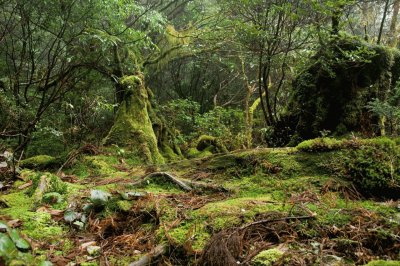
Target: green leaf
point(3, 227)
point(70, 216)
point(20, 242)
point(7, 247)
point(99, 197)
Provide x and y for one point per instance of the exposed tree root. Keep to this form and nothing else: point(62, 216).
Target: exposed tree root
point(164, 175)
point(183, 184)
point(151, 256)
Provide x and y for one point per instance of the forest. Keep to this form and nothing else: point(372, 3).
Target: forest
point(199, 132)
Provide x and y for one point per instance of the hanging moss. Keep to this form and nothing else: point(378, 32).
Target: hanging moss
point(132, 127)
point(331, 94)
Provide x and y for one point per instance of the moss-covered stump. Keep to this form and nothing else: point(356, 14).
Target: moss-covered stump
point(132, 127)
point(343, 77)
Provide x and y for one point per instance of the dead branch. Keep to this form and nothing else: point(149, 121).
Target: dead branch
point(149, 257)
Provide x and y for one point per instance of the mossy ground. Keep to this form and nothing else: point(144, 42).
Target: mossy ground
point(260, 182)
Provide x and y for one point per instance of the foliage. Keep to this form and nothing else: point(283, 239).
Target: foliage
point(389, 110)
point(13, 248)
point(226, 124)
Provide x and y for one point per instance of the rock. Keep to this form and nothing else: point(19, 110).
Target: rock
point(332, 260)
point(93, 250)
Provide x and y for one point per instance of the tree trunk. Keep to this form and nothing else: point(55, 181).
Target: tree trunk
point(132, 127)
point(248, 121)
point(393, 24)
point(336, 16)
point(383, 22)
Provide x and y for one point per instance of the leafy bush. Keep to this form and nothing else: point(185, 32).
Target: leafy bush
point(226, 124)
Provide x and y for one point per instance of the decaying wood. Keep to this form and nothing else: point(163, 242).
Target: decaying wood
point(149, 257)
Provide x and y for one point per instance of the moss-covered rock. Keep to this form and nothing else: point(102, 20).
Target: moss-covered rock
point(40, 162)
point(344, 75)
point(132, 127)
point(205, 146)
point(44, 184)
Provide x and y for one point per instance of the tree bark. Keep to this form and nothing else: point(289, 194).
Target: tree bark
point(383, 22)
point(393, 24)
point(132, 127)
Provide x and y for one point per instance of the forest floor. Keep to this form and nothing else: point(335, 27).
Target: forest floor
point(250, 207)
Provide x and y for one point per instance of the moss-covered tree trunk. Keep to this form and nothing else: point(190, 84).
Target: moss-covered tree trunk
point(133, 127)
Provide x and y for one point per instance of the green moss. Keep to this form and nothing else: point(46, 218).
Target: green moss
point(320, 145)
point(195, 153)
point(383, 263)
point(40, 162)
point(36, 225)
point(79, 169)
point(100, 164)
point(232, 212)
point(194, 233)
point(343, 76)
point(267, 257)
point(124, 205)
point(132, 127)
point(205, 141)
point(50, 183)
